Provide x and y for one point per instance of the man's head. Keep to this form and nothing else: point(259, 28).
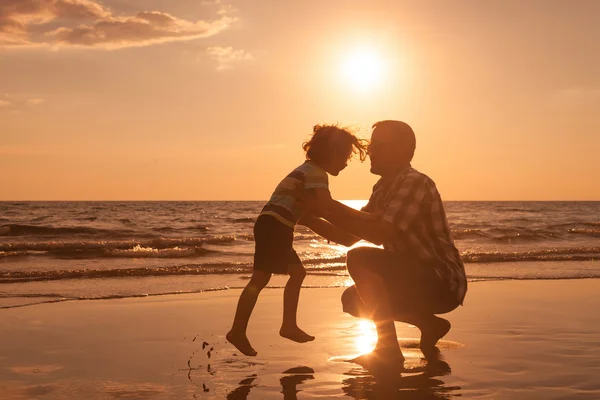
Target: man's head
point(392, 146)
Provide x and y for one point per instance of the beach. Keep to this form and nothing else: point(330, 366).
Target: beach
point(511, 340)
point(143, 145)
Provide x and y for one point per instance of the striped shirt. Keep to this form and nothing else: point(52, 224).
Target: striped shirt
point(285, 204)
point(411, 201)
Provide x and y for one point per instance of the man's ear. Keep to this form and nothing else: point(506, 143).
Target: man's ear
point(405, 154)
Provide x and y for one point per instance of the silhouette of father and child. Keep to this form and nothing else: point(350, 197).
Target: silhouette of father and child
point(417, 274)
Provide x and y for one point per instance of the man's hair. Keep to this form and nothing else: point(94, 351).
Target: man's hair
point(402, 133)
point(329, 139)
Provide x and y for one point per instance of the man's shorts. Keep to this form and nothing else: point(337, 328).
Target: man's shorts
point(413, 286)
point(273, 245)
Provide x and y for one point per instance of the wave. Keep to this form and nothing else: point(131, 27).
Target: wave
point(527, 237)
point(462, 234)
point(12, 253)
point(48, 298)
point(315, 266)
point(586, 232)
point(201, 228)
point(205, 269)
point(57, 298)
point(248, 220)
point(139, 251)
point(32, 276)
point(510, 235)
point(41, 230)
point(566, 254)
point(302, 236)
point(158, 248)
point(517, 209)
point(323, 260)
point(545, 235)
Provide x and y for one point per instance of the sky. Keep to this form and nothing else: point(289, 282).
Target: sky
point(212, 99)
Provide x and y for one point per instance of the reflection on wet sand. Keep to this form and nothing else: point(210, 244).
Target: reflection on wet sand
point(243, 390)
point(372, 381)
point(289, 382)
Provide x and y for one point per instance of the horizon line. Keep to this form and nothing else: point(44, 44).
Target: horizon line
point(265, 200)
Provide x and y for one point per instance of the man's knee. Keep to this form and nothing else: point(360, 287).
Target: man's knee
point(352, 303)
point(357, 260)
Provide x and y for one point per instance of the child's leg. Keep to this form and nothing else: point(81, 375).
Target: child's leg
point(291, 294)
point(237, 335)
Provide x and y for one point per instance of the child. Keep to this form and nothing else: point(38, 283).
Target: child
point(327, 151)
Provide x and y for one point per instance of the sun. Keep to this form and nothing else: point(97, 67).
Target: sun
point(363, 69)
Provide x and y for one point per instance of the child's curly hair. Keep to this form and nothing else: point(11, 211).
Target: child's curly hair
point(329, 139)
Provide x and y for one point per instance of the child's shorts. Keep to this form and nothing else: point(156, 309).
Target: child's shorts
point(273, 245)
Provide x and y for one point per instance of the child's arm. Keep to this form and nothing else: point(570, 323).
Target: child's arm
point(328, 230)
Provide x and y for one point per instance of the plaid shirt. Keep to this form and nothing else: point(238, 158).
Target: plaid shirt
point(411, 201)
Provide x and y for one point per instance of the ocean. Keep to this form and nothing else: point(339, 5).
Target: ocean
point(73, 251)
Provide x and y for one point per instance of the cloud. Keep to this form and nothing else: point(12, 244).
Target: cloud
point(227, 9)
point(226, 56)
point(17, 101)
point(35, 101)
point(222, 7)
point(86, 23)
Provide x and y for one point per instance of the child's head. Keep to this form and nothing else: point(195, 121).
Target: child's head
point(331, 147)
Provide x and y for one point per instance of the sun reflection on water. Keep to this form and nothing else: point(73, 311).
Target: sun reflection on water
point(367, 336)
point(356, 204)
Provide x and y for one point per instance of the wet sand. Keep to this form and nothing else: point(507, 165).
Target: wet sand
point(511, 340)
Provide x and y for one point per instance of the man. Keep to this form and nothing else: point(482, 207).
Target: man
point(418, 273)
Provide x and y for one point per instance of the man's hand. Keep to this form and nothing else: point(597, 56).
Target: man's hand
point(367, 226)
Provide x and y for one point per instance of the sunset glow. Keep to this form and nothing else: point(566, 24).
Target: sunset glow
point(363, 69)
point(212, 100)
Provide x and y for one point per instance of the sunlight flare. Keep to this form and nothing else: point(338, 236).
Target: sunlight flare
point(367, 336)
point(363, 69)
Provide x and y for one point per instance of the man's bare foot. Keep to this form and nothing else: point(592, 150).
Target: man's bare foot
point(433, 332)
point(381, 361)
point(241, 342)
point(391, 352)
point(296, 334)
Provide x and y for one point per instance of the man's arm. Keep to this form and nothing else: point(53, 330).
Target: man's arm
point(328, 231)
point(360, 224)
point(397, 217)
point(363, 225)
point(318, 201)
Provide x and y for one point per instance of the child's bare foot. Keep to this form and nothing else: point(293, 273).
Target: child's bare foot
point(296, 334)
point(432, 333)
point(241, 342)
